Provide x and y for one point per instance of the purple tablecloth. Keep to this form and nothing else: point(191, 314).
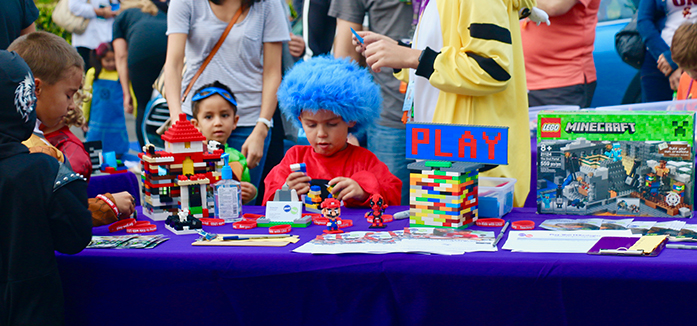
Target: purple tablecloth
point(113, 183)
point(178, 284)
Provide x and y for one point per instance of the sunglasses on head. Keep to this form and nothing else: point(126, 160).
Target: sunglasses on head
point(209, 91)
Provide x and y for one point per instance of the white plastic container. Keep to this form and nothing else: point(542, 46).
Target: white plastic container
point(495, 196)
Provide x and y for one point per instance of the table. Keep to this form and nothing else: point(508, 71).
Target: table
point(179, 284)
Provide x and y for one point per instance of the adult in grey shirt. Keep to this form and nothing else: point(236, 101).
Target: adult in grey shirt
point(393, 18)
point(248, 62)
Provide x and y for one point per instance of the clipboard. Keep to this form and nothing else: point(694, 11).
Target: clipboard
point(645, 246)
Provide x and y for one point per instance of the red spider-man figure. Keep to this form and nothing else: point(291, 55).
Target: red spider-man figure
point(377, 203)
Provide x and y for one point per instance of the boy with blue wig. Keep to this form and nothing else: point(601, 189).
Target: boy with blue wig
point(329, 98)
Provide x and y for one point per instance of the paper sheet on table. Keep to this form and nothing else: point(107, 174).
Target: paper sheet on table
point(558, 241)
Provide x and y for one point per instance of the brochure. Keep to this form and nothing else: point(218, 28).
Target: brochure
point(558, 241)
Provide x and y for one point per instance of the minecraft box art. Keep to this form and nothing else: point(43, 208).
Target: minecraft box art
point(624, 163)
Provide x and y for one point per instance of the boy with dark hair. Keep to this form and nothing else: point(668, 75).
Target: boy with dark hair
point(44, 209)
point(57, 70)
point(215, 114)
point(329, 98)
point(684, 53)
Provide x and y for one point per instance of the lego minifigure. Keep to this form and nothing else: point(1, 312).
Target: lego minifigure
point(546, 200)
point(184, 221)
point(559, 199)
point(614, 152)
point(651, 185)
point(378, 205)
point(331, 209)
point(661, 169)
point(679, 188)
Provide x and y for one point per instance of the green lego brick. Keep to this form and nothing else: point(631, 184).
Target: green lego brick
point(438, 164)
point(196, 210)
point(292, 225)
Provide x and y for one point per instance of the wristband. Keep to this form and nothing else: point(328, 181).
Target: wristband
point(278, 229)
point(253, 217)
point(265, 121)
point(111, 205)
point(320, 220)
point(122, 224)
point(208, 221)
point(344, 223)
point(244, 225)
point(490, 222)
point(523, 225)
point(142, 229)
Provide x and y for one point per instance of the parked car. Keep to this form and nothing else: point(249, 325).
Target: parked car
point(618, 82)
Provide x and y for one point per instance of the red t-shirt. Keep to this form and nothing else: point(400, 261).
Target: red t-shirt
point(354, 162)
point(73, 150)
point(561, 54)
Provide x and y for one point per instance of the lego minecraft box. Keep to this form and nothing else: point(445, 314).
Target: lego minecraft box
point(624, 163)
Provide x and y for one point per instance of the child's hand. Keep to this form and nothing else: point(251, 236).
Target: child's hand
point(125, 203)
point(347, 188)
point(84, 127)
point(299, 181)
point(248, 192)
point(663, 65)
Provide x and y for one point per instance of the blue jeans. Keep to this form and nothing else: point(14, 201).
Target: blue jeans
point(390, 146)
point(655, 86)
point(237, 139)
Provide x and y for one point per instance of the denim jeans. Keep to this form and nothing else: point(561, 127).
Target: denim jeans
point(655, 86)
point(236, 140)
point(390, 146)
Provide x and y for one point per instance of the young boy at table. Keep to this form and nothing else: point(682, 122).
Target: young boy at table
point(42, 212)
point(57, 70)
point(329, 98)
point(62, 138)
point(684, 53)
point(214, 108)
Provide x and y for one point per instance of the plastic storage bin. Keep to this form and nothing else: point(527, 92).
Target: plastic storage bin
point(495, 196)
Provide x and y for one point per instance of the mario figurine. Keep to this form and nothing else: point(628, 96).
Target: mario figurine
point(377, 203)
point(331, 209)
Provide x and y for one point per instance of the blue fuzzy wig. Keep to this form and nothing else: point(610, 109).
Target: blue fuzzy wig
point(337, 85)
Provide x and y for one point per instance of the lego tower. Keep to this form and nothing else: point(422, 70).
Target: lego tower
point(443, 194)
point(177, 178)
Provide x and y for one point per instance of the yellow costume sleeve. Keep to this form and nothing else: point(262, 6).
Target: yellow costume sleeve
point(87, 89)
point(476, 59)
point(402, 75)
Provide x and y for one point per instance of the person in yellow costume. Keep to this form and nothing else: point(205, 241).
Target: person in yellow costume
point(467, 67)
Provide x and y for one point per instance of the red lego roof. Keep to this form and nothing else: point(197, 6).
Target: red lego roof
point(182, 131)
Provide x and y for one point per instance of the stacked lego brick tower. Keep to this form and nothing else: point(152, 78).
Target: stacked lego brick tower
point(177, 177)
point(443, 194)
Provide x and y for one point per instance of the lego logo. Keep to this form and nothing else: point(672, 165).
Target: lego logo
point(551, 127)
